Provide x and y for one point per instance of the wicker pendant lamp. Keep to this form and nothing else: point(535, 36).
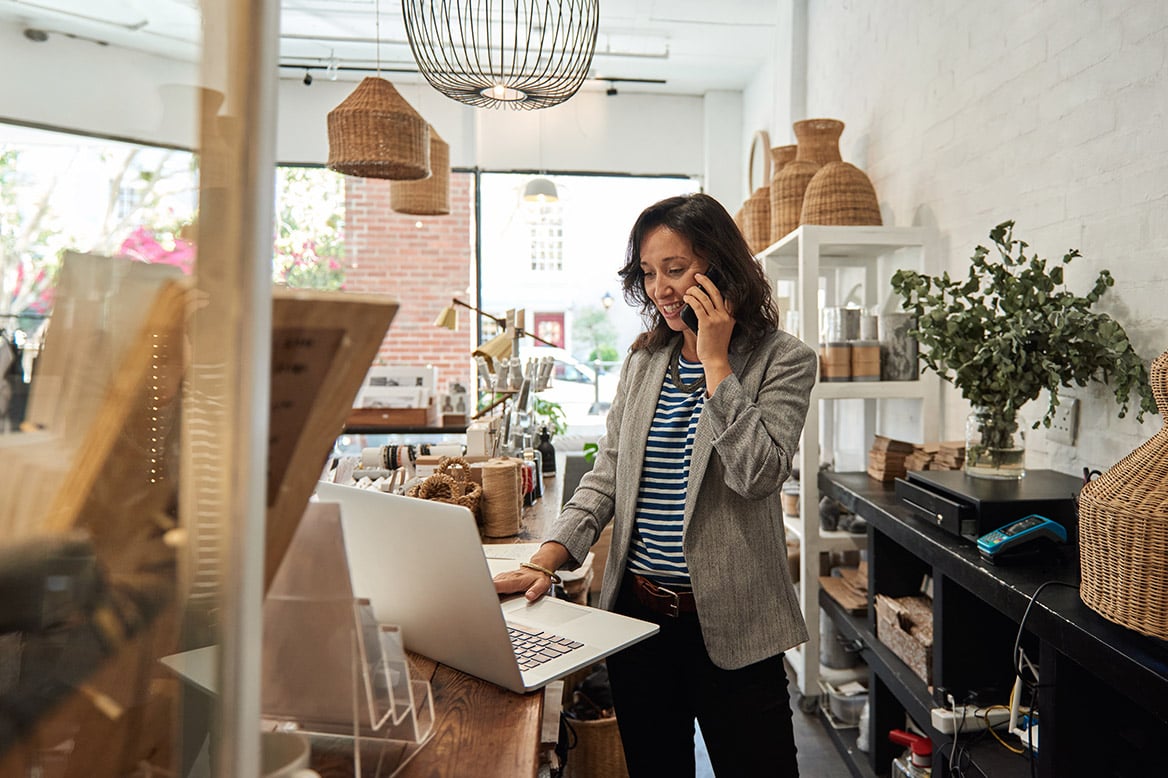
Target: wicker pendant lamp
point(429, 196)
point(375, 133)
point(503, 53)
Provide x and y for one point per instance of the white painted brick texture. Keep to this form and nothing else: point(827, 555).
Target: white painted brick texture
point(1054, 114)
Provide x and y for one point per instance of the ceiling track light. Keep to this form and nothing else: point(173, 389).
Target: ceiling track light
point(307, 77)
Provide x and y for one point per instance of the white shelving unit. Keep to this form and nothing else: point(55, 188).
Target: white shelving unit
point(833, 266)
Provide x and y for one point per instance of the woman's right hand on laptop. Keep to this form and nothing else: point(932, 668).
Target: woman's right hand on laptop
point(534, 581)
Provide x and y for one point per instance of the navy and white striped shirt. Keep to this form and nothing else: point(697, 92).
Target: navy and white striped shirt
point(656, 550)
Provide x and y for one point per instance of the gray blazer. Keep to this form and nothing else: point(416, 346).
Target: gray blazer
point(733, 535)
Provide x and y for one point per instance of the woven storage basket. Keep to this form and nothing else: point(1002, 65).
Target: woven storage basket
point(781, 156)
point(756, 216)
point(375, 133)
point(840, 193)
point(756, 211)
point(599, 752)
point(1123, 531)
point(430, 196)
point(450, 483)
point(818, 144)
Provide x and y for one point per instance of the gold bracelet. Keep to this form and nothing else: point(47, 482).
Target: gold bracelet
point(533, 566)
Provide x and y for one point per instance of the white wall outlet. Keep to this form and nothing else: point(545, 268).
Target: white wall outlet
point(1065, 423)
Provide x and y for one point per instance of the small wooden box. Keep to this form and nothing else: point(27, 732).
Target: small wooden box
point(905, 625)
point(393, 417)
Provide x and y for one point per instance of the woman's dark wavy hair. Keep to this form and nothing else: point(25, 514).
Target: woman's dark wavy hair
point(715, 238)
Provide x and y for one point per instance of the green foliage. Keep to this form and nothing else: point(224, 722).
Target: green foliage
point(1011, 329)
point(604, 354)
point(590, 452)
point(552, 414)
point(309, 229)
point(592, 327)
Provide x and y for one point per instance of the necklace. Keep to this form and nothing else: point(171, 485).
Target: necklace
point(675, 374)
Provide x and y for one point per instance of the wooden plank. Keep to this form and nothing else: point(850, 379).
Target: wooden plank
point(849, 599)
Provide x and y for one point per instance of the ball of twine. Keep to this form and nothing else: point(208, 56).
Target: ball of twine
point(502, 501)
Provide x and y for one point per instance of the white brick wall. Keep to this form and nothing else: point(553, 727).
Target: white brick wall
point(1054, 114)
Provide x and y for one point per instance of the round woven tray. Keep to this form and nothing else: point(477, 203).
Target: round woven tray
point(1123, 531)
point(375, 133)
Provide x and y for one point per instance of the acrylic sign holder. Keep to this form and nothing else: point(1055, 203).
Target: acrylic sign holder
point(330, 670)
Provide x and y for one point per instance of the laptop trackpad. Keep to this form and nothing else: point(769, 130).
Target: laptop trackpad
point(544, 612)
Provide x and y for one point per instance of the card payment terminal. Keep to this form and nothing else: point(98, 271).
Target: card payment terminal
point(1029, 534)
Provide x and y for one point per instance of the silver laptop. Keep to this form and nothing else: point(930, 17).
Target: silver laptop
point(421, 565)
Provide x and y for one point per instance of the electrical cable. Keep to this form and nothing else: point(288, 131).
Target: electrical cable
point(957, 730)
point(1017, 659)
point(1022, 624)
point(986, 715)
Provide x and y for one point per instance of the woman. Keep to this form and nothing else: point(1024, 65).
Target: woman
point(699, 440)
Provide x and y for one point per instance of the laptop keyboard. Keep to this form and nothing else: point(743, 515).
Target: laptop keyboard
point(534, 648)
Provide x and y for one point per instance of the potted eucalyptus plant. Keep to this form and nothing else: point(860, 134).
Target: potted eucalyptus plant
point(1011, 329)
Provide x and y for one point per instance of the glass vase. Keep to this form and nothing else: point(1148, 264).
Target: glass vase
point(995, 445)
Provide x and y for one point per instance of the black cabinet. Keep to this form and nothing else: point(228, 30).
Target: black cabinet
point(1103, 698)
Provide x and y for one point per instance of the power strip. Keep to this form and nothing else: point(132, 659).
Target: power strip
point(968, 718)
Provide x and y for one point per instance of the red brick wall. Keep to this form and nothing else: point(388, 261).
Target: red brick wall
point(421, 266)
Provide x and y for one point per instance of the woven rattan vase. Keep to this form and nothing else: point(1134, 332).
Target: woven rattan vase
point(756, 211)
point(375, 133)
point(430, 196)
point(756, 215)
point(781, 156)
point(818, 144)
point(840, 193)
point(1123, 531)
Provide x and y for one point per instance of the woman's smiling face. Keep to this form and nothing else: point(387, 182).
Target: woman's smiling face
point(669, 266)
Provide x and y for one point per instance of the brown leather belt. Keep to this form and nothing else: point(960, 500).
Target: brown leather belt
point(668, 602)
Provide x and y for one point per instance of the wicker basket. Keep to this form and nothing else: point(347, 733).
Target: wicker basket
point(781, 156)
point(450, 483)
point(840, 193)
point(598, 752)
point(818, 144)
point(756, 217)
point(1123, 531)
point(375, 133)
point(756, 211)
point(430, 196)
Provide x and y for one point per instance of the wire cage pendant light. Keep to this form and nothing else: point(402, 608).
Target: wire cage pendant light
point(518, 54)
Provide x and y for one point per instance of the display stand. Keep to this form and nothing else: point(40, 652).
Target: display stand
point(330, 670)
point(833, 265)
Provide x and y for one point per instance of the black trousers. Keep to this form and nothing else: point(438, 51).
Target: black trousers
point(662, 684)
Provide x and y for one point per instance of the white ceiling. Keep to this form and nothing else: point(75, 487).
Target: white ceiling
point(693, 46)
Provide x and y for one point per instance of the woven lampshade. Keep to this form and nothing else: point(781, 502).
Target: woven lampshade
point(375, 133)
point(429, 196)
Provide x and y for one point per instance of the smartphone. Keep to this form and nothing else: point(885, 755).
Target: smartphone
point(687, 313)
